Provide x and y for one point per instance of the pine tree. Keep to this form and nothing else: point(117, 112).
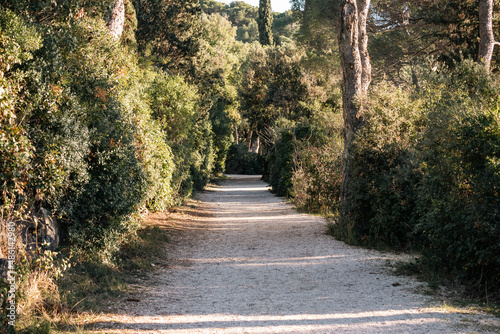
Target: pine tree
point(356, 68)
point(265, 22)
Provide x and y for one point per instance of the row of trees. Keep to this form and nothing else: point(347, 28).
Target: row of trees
point(419, 94)
point(108, 109)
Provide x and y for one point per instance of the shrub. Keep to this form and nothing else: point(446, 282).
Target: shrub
point(280, 161)
point(203, 154)
point(222, 135)
point(17, 43)
point(94, 68)
point(153, 151)
point(188, 131)
point(241, 161)
point(385, 171)
point(99, 155)
point(459, 195)
point(317, 173)
point(290, 153)
point(317, 177)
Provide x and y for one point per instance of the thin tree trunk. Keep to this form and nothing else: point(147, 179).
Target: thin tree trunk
point(255, 145)
point(487, 42)
point(117, 19)
point(366, 76)
point(352, 69)
point(409, 50)
point(235, 132)
point(249, 139)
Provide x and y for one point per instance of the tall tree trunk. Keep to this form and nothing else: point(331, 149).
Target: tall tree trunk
point(487, 42)
point(265, 22)
point(249, 139)
point(409, 50)
point(255, 147)
point(306, 14)
point(235, 133)
point(366, 76)
point(356, 69)
point(117, 19)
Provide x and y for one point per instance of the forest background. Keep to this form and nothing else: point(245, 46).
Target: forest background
point(101, 125)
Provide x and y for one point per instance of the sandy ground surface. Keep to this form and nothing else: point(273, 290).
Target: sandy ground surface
point(243, 261)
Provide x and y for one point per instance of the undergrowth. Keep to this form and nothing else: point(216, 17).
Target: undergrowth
point(88, 287)
point(453, 293)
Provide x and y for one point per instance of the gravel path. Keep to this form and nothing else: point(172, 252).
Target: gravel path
point(254, 265)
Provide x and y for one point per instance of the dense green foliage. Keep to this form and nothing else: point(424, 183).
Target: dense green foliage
point(168, 31)
point(98, 131)
point(16, 150)
point(241, 161)
point(458, 201)
point(426, 173)
point(425, 169)
point(265, 23)
point(317, 171)
point(245, 18)
point(99, 155)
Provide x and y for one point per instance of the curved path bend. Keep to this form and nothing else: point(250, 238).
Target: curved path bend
point(249, 263)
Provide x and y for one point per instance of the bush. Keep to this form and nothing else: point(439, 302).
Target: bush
point(222, 135)
point(317, 178)
point(203, 154)
point(385, 172)
point(94, 67)
point(17, 43)
point(241, 161)
point(426, 174)
point(280, 161)
point(99, 155)
point(317, 172)
point(188, 131)
point(290, 153)
point(153, 150)
point(458, 198)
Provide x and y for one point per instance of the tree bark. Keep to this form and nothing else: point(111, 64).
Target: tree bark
point(117, 19)
point(255, 147)
point(487, 38)
point(235, 133)
point(249, 140)
point(356, 69)
point(366, 76)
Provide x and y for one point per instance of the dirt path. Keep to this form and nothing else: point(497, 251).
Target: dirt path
point(254, 265)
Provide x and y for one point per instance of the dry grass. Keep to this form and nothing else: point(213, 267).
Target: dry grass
point(36, 285)
point(39, 290)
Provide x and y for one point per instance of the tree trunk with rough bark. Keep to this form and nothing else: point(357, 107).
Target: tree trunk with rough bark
point(255, 147)
point(235, 134)
point(356, 69)
point(366, 75)
point(249, 139)
point(117, 19)
point(487, 42)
